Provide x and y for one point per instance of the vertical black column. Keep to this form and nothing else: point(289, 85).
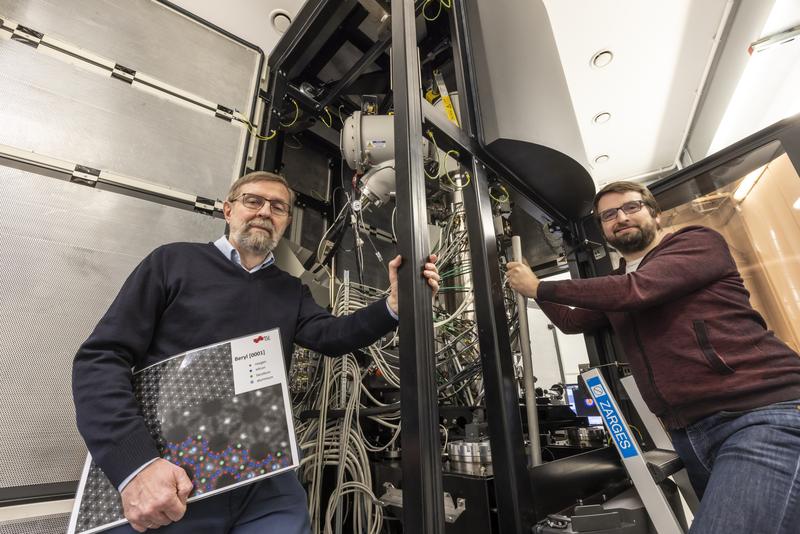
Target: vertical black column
point(513, 493)
point(511, 481)
point(423, 498)
point(270, 151)
point(468, 102)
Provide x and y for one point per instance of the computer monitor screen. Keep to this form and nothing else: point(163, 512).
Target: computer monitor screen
point(582, 403)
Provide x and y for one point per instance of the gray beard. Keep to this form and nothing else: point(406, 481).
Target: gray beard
point(633, 242)
point(254, 241)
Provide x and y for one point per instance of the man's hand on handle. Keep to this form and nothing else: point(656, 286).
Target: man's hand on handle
point(429, 272)
point(522, 279)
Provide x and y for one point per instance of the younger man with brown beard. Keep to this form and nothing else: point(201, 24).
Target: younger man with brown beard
point(724, 386)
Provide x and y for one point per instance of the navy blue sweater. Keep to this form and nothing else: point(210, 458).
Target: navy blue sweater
point(181, 297)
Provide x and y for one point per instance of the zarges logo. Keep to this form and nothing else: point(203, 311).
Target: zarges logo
point(598, 390)
point(259, 339)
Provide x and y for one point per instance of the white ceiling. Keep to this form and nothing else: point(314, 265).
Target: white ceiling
point(677, 79)
point(661, 51)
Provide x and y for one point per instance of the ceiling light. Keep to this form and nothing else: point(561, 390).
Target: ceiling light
point(747, 183)
point(602, 118)
point(280, 20)
point(602, 58)
point(769, 41)
point(602, 158)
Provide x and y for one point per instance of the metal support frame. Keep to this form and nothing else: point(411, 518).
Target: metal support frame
point(462, 62)
point(318, 19)
point(423, 507)
point(454, 138)
point(355, 71)
point(268, 157)
point(512, 488)
point(334, 43)
point(422, 485)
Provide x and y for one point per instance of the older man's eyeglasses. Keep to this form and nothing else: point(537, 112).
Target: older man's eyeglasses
point(256, 202)
point(629, 208)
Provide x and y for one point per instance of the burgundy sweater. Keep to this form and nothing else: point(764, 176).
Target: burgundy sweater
point(695, 345)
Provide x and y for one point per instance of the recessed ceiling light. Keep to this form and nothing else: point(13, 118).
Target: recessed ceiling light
point(602, 158)
point(280, 20)
point(602, 58)
point(602, 118)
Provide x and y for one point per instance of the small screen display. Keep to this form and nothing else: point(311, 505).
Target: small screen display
point(582, 404)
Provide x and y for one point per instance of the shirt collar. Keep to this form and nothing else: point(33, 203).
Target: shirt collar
point(232, 254)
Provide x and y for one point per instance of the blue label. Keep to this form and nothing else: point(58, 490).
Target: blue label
point(614, 423)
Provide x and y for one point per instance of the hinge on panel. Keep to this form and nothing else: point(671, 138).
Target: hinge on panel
point(85, 175)
point(27, 36)
point(224, 113)
point(122, 73)
point(204, 205)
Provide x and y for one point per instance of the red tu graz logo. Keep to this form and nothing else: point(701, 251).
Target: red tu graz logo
point(260, 338)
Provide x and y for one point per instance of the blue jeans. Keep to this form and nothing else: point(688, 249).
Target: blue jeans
point(745, 468)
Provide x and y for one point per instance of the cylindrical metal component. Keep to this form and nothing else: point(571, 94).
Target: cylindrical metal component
point(468, 451)
point(367, 140)
point(527, 366)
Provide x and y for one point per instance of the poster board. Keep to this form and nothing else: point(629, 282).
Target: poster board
point(220, 412)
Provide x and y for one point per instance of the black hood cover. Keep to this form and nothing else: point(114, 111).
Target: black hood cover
point(556, 177)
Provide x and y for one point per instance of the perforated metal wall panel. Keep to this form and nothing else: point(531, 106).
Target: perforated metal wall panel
point(51, 524)
point(56, 109)
point(66, 249)
point(147, 36)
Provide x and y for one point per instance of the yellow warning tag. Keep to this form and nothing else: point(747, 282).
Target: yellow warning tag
point(448, 107)
point(446, 100)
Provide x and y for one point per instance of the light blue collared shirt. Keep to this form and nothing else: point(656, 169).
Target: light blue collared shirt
point(232, 254)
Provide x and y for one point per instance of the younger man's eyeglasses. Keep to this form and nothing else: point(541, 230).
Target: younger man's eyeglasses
point(629, 208)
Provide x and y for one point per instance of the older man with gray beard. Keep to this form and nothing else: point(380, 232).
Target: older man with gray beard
point(189, 295)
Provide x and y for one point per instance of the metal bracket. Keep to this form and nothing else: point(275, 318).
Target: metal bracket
point(205, 205)
point(85, 175)
point(453, 508)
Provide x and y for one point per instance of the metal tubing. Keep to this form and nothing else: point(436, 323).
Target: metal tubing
point(515, 507)
point(558, 353)
point(524, 333)
point(423, 504)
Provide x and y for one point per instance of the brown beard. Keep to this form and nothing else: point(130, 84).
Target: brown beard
point(633, 241)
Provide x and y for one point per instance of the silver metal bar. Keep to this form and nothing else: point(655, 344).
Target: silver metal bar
point(527, 366)
point(660, 439)
point(558, 354)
